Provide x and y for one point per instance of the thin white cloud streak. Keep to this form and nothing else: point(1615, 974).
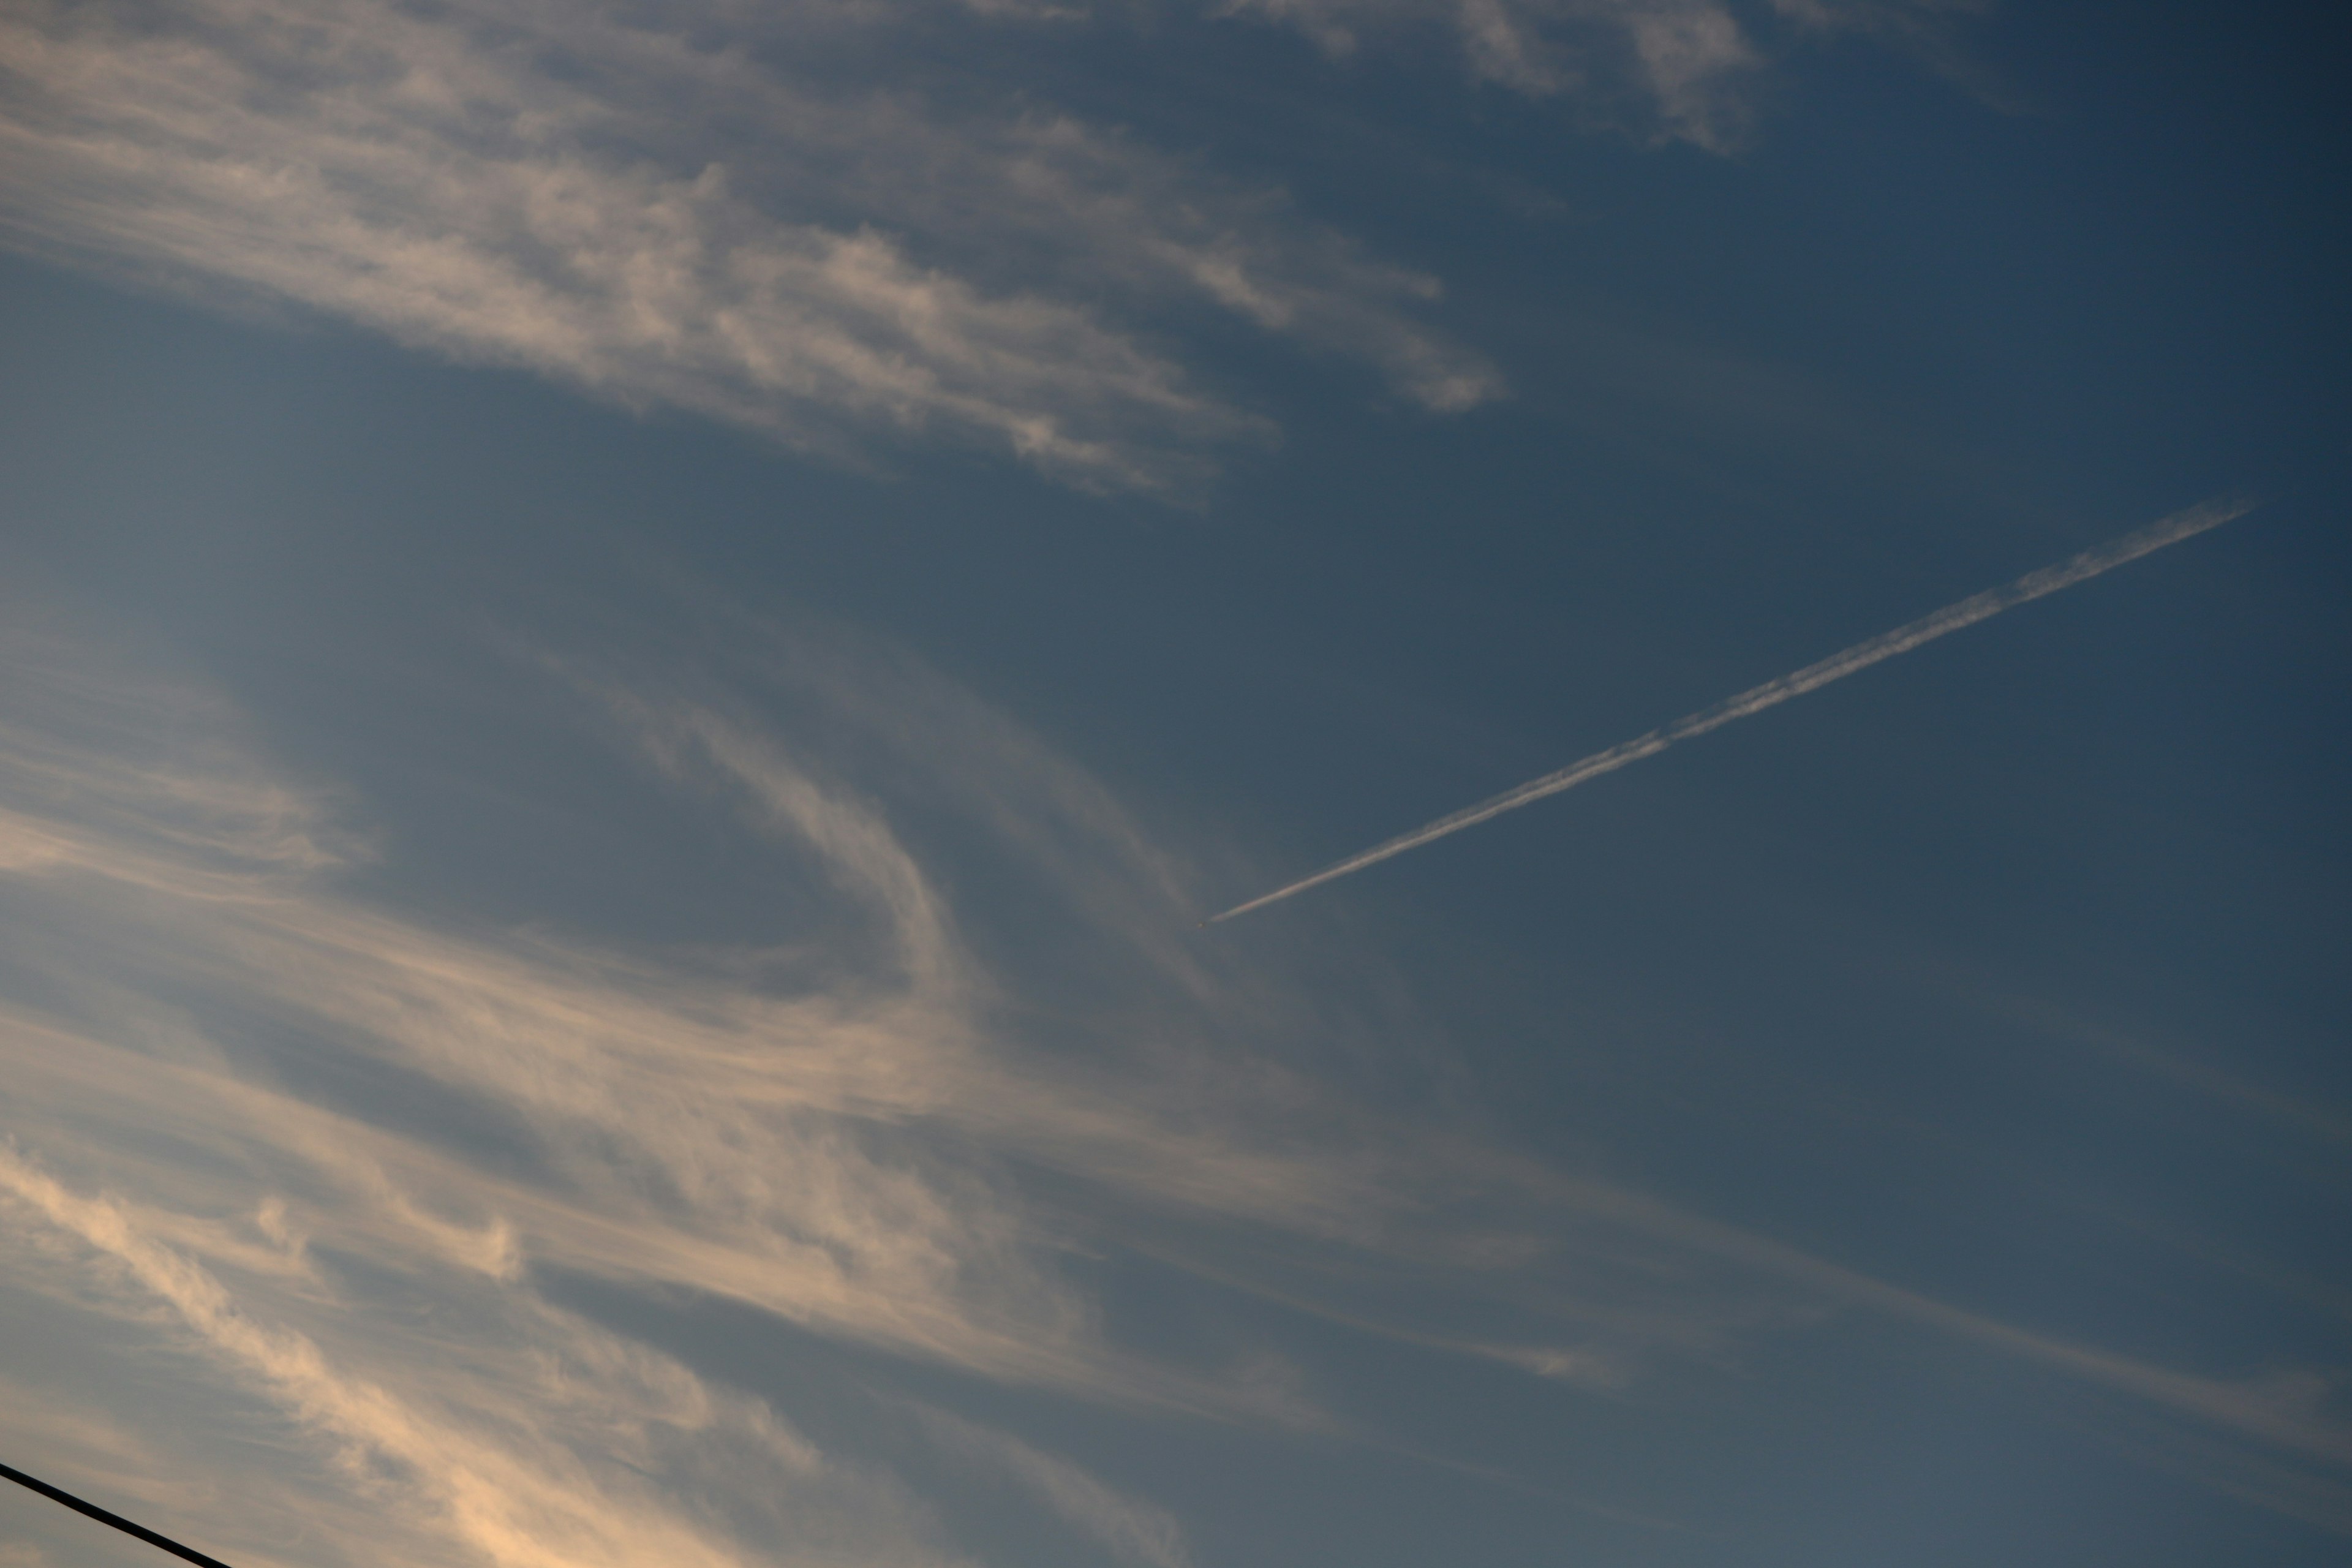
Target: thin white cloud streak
point(1860, 657)
point(190, 795)
point(1130, 1529)
point(754, 216)
point(2291, 1490)
point(2288, 1411)
point(2312, 1118)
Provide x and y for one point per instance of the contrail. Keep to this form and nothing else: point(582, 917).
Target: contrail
point(1860, 656)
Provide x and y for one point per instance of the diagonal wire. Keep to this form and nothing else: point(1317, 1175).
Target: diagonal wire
point(186, 1553)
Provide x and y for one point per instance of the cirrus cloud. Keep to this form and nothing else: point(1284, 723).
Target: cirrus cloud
point(752, 216)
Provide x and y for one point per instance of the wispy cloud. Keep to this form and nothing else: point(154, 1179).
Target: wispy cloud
point(846, 227)
point(311, 1167)
point(748, 214)
point(2312, 1495)
point(1131, 1529)
point(2288, 1410)
point(1678, 70)
point(488, 1496)
point(328, 1246)
point(2311, 1118)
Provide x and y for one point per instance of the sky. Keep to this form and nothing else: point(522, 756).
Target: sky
point(637, 639)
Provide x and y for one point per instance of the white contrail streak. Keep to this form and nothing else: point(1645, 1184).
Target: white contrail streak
point(1860, 656)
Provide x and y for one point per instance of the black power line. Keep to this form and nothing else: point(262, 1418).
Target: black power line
point(187, 1552)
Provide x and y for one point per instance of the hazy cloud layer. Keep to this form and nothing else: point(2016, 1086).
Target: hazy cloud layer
point(305, 1161)
point(295, 1170)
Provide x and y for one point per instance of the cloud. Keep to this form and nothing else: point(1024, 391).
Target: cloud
point(850, 227)
point(2298, 1491)
point(348, 1234)
point(302, 1173)
point(1682, 63)
point(2308, 1118)
point(1131, 1529)
point(2288, 1410)
point(748, 214)
point(1674, 70)
point(450, 1472)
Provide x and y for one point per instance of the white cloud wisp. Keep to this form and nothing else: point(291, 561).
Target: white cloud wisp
point(1673, 70)
point(713, 215)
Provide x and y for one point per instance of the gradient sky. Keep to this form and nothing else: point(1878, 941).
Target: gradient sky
point(636, 635)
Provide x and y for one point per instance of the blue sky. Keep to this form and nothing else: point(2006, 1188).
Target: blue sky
point(637, 637)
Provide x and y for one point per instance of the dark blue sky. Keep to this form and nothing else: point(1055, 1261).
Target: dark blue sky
point(638, 638)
